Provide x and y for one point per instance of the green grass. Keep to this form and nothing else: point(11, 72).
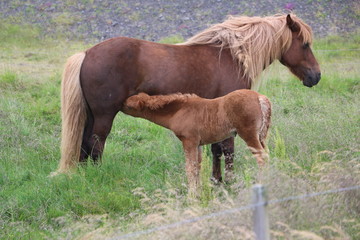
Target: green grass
point(172, 39)
point(19, 36)
point(314, 145)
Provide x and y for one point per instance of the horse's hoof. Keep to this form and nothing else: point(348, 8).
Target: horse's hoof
point(216, 181)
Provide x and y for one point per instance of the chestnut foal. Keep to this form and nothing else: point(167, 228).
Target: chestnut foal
point(197, 121)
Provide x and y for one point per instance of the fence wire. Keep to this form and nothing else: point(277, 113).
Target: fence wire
point(233, 210)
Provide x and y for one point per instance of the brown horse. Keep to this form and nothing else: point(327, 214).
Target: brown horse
point(198, 121)
point(223, 58)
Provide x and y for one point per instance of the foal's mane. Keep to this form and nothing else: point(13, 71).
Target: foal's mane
point(253, 41)
point(155, 102)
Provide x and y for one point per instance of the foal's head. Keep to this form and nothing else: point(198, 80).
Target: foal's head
point(136, 102)
point(143, 101)
point(299, 57)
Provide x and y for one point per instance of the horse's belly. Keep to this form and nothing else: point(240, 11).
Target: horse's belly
point(158, 84)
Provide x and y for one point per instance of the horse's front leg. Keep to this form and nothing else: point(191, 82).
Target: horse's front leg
point(192, 165)
point(216, 171)
point(228, 149)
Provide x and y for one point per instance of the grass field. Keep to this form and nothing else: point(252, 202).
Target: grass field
point(314, 146)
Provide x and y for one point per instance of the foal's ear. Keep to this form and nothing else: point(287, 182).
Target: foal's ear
point(294, 26)
point(135, 102)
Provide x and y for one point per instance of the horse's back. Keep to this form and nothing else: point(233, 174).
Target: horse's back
point(126, 66)
point(120, 67)
point(103, 59)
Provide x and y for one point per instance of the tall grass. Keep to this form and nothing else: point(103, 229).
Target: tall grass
point(313, 145)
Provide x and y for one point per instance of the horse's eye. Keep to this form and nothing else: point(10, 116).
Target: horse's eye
point(306, 45)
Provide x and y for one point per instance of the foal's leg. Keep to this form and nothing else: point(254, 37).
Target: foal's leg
point(256, 148)
point(228, 150)
point(192, 164)
point(199, 159)
point(216, 171)
point(101, 129)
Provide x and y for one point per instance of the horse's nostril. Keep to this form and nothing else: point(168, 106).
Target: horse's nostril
point(318, 75)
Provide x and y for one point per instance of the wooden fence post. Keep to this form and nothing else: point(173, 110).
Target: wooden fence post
point(261, 222)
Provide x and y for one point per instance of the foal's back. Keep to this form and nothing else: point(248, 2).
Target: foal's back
point(242, 106)
point(213, 120)
point(250, 113)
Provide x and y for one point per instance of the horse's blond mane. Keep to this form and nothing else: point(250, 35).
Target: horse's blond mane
point(160, 101)
point(253, 41)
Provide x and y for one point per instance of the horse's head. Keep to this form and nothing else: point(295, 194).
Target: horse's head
point(299, 57)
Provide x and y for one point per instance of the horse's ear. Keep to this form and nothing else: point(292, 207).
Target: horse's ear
point(294, 26)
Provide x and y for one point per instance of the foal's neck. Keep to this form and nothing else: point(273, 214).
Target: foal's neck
point(162, 116)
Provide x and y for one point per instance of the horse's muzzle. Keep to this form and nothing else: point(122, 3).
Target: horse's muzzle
point(312, 79)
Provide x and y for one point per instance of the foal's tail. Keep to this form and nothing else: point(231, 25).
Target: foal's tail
point(73, 113)
point(265, 106)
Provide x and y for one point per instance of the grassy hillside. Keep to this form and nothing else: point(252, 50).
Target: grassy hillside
point(314, 146)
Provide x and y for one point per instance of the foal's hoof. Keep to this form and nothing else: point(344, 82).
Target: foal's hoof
point(61, 172)
point(54, 174)
point(216, 181)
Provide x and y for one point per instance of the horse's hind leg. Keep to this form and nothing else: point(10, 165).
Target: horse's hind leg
point(85, 146)
point(101, 129)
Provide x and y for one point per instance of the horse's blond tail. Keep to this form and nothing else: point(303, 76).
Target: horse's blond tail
point(265, 107)
point(73, 113)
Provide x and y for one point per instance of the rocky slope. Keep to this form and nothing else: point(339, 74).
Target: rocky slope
point(155, 19)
